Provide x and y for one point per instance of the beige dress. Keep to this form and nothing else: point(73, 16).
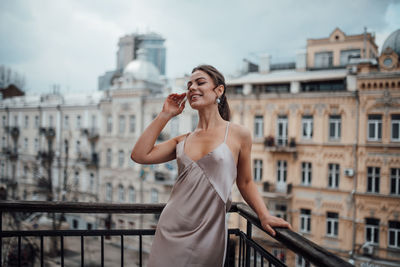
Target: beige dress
point(192, 229)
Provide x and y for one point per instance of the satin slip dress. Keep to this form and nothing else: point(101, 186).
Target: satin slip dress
point(192, 229)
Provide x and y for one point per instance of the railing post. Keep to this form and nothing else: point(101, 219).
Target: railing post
point(1, 238)
point(248, 235)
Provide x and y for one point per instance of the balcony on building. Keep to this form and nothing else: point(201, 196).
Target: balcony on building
point(281, 144)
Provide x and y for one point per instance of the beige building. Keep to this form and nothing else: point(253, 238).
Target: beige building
point(326, 151)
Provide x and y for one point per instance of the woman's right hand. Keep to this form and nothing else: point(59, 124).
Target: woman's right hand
point(174, 105)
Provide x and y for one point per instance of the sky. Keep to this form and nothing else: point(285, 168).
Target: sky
point(72, 42)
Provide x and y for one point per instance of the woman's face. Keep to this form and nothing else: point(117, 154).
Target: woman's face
point(201, 90)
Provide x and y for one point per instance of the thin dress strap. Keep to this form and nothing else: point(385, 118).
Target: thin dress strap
point(226, 132)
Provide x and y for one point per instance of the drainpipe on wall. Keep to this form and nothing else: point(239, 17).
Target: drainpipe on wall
point(355, 166)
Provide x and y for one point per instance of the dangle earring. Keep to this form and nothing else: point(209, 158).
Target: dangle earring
point(217, 101)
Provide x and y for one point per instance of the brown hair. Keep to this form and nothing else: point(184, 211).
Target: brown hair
point(218, 79)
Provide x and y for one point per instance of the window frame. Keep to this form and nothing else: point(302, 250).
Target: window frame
point(305, 221)
point(395, 119)
point(373, 228)
point(307, 127)
point(257, 170)
point(333, 175)
point(332, 224)
point(373, 177)
point(306, 173)
point(258, 126)
point(335, 121)
point(377, 123)
point(282, 138)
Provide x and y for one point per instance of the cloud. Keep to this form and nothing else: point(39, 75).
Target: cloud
point(72, 42)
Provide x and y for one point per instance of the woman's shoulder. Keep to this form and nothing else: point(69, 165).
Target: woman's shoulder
point(180, 138)
point(240, 132)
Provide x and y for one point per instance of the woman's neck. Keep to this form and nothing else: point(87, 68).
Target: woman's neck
point(209, 119)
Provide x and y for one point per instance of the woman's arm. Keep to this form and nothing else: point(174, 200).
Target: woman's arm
point(248, 188)
point(144, 151)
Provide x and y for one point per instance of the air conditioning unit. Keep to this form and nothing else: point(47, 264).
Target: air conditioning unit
point(368, 250)
point(349, 172)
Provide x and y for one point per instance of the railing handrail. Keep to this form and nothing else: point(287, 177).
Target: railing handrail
point(297, 243)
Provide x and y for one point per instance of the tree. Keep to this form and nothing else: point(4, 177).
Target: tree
point(8, 76)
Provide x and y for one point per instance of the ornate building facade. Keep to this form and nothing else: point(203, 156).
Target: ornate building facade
point(326, 144)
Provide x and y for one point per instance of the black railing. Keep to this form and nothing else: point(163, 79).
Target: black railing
point(249, 252)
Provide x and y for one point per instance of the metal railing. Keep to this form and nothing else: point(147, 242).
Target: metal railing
point(249, 251)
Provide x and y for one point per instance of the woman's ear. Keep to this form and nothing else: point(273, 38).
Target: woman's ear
point(220, 90)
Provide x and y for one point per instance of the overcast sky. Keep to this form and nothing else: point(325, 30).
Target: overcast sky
point(72, 42)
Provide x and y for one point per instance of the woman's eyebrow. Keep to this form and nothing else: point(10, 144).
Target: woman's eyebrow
point(190, 82)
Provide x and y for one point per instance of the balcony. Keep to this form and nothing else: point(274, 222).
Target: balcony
point(91, 133)
point(243, 248)
point(272, 145)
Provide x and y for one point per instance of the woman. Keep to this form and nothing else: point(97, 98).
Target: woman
point(192, 228)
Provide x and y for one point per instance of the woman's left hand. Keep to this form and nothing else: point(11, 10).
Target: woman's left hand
point(270, 221)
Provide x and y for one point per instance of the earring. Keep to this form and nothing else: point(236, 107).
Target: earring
point(217, 101)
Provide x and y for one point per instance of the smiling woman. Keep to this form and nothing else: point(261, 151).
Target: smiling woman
point(192, 229)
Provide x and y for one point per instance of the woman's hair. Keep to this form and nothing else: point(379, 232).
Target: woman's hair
point(218, 79)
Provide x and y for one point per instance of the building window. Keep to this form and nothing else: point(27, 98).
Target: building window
point(37, 123)
point(323, 60)
point(333, 175)
point(36, 144)
point(301, 262)
point(4, 121)
point(109, 124)
point(335, 122)
point(374, 127)
point(108, 157)
point(121, 158)
point(94, 122)
point(66, 122)
point(16, 121)
point(373, 176)
point(305, 220)
point(3, 142)
point(306, 173)
point(26, 144)
point(76, 178)
point(78, 147)
point(154, 195)
point(396, 127)
point(121, 124)
point(91, 182)
point(78, 122)
point(26, 122)
point(2, 169)
point(394, 234)
point(282, 131)
point(51, 121)
point(307, 127)
point(132, 195)
point(132, 123)
point(258, 169)
point(281, 171)
point(372, 230)
point(109, 192)
point(395, 181)
point(25, 171)
point(121, 193)
point(332, 224)
point(258, 126)
point(280, 254)
point(346, 55)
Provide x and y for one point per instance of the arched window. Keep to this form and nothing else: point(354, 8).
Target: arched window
point(121, 193)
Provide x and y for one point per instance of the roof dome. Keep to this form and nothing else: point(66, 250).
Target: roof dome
point(393, 41)
point(141, 69)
